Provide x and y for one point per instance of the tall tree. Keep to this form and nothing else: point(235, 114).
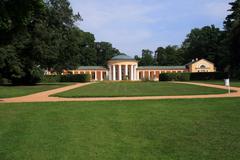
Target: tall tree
point(171, 55)
point(16, 21)
point(207, 42)
point(147, 58)
point(16, 15)
point(232, 27)
point(105, 52)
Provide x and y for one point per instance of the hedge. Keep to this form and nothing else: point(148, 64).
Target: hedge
point(192, 76)
point(75, 78)
point(174, 77)
point(67, 78)
point(208, 76)
point(51, 78)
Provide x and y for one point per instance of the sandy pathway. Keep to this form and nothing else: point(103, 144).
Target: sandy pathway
point(44, 96)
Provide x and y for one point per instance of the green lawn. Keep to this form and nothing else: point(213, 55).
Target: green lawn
point(125, 89)
point(9, 91)
point(233, 83)
point(129, 130)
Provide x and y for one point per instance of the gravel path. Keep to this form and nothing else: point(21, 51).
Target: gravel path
point(44, 96)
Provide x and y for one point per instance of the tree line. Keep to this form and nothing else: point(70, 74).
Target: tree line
point(42, 34)
point(222, 47)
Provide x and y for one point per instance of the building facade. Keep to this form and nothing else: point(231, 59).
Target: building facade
point(123, 67)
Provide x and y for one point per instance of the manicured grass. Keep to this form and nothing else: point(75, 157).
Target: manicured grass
point(234, 83)
point(129, 130)
point(127, 89)
point(9, 91)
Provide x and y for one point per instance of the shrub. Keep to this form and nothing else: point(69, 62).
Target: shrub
point(51, 78)
point(76, 78)
point(31, 76)
point(192, 76)
point(208, 76)
point(4, 81)
point(174, 77)
point(67, 78)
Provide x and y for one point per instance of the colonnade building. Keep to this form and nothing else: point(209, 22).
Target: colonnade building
point(123, 67)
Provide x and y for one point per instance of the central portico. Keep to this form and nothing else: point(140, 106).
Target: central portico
point(122, 67)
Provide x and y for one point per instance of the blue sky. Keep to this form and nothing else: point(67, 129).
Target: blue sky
point(133, 25)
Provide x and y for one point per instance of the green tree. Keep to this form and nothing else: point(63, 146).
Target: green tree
point(36, 35)
point(105, 52)
point(16, 20)
point(171, 55)
point(16, 15)
point(232, 27)
point(207, 42)
point(147, 58)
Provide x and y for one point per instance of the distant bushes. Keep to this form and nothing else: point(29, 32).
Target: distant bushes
point(208, 76)
point(32, 76)
point(75, 78)
point(51, 78)
point(192, 76)
point(3, 81)
point(174, 77)
point(67, 78)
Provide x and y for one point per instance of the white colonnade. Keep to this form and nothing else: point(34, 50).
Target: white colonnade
point(116, 72)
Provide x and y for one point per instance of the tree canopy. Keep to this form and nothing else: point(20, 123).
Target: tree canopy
point(43, 35)
point(232, 27)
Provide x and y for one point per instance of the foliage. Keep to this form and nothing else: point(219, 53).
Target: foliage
point(174, 77)
point(208, 76)
point(232, 27)
point(75, 78)
point(51, 78)
point(105, 52)
point(192, 76)
point(207, 42)
point(31, 76)
point(43, 34)
point(170, 55)
point(66, 78)
point(147, 58)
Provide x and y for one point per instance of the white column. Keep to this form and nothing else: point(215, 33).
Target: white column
point(154, 76)
point(120, 72)
point(135, 72)
point(101, 76)
point(95, 75)
point(138, 75)
point(143, 76)
point(131, 72)
point(114, 73)
point(149, 78)
point(126, 72)
point(110, 73)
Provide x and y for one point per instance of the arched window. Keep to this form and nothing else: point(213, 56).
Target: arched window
point(203, 67)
